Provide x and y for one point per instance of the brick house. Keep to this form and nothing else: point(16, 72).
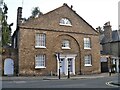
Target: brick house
point(59, 39)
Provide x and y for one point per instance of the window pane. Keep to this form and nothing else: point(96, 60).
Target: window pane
point(86, 42)
point(40, 60)
point(65, 43)
point(65, 21)
point(40, 39)
point(87, 59)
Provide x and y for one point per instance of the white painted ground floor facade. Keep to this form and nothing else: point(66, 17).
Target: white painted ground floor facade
point(116, 62)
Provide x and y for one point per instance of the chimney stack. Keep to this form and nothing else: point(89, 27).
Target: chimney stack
point(19, 16)
point(107, 31)
point(71, 6)
point(99, 29)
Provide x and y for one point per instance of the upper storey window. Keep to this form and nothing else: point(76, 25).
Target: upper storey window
point(65, 21)
point(40, 40)
point(87, 43)
point(65, 44)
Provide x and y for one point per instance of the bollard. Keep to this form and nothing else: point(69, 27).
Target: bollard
point(59, 73)
point(68, 73)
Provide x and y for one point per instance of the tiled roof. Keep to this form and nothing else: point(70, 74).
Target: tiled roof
point(115, 37)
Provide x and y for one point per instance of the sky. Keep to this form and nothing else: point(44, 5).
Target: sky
point(95, 12)
point(119, 15)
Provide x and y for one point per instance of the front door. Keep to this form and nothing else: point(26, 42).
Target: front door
point(66, 62)
point(65, 65)
point(8, 66)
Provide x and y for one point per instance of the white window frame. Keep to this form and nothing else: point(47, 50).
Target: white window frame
point(66, 44)
point(87, 43)
point(87, 60)
point(40, 40)
point(41, 59)
point(65, 21)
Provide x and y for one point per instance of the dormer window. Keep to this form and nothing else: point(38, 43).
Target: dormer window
point(65, 21)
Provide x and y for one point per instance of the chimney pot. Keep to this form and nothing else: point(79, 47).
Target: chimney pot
point(65, 4)
point(71, 6)
point(107, 23)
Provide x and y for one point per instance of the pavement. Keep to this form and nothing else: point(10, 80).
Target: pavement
point(28, 78)
point(12, 78)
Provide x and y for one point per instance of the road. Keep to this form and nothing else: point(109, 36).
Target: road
point(63, 83)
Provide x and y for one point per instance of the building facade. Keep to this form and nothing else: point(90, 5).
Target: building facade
point(110, 43)
point(59, 39)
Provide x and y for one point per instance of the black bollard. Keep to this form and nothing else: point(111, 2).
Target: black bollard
point(68, 73)
point(59, 73)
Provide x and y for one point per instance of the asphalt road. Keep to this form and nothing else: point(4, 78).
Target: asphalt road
point(65, 83)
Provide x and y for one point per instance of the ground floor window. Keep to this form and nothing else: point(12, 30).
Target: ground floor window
point(40, 61)
point(88, 60)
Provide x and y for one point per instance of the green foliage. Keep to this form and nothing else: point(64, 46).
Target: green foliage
point(0, 50)
point(1, 2)
point(0, 18)
point(36, 12)
point(5, 27)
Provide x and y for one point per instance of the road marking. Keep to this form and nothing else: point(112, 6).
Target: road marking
point(108, 83)
point(19, 81)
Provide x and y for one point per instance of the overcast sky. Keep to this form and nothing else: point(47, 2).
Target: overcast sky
point(95, 12)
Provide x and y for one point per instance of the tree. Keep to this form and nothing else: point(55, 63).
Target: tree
point(36, 12)
point(6, 29)
point(1, 2)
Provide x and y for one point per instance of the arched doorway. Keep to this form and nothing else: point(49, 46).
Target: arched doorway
point(8, 66)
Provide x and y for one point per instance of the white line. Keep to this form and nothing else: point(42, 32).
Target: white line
point(108, 83)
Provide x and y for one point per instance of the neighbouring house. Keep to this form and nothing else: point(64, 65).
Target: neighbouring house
point(59, 39)
point(110, 47)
